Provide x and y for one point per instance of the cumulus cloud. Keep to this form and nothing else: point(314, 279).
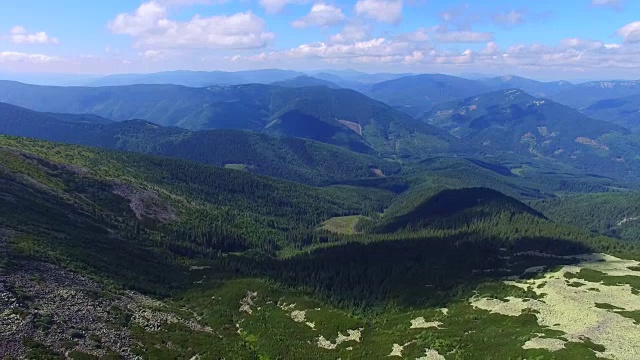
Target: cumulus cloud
point(509, 18)
point(443, 35)
point(154, 55)
point(321, 15)
point(630, 33)
point(276, 6)
point(150, 27)
point(20, 35)
point(419, 35)
point(378, 47)
point(388, 11)
point(12, 56)
point(351, 32)
point(415, 57)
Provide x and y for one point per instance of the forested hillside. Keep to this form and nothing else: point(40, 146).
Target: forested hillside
point(418, 93)
point(624, 111)
point(336, 116)
point(239, 266)
point(294, 159)
point(218, 206)
point(513, 121)
point(590, 92)
point(613, 214)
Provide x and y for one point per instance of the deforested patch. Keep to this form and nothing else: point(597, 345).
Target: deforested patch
point(430, 354)
point(354, 126)
point(628, 219)
point(593, 143)
point(510, 306)
point(544, 343)
point(248, 301)
point(396, 350)
point(286, 307)
point(352, 335)
point(298, 315)
point(421, 323)
point(145, 203)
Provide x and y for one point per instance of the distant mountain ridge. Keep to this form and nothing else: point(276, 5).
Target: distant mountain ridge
point(418, 93)
point(294, 159)
point(514, 121)
point(533, 87)
point(304, 81)
point(335, 116)
point(624, 111)
point(197, 78)
point(585, 94)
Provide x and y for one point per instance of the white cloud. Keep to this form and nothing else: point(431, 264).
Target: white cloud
point(415, 57)
point(321, 15)
point(569, 56)
point(369, 51)
point(418, 35)
point(491, 49)
point(12, 56)
point(610, 3)
point(467, 57)
point(509, 18)
point(150, 27)
point(154, 55)
point(148, 17)
point(581, 44)
point(388, 11)
point(379, 47)
point(20, 35)
point(630, 33)
point(443, 35)
point(276, 6)
point(351, 32)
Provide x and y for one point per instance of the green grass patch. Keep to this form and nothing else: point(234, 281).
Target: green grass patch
point(600, 277)
point(607, 306)
point(635, 315)
point(342, 225)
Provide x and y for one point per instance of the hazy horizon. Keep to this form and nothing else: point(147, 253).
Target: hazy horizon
point(70, 79)
point(541, 40)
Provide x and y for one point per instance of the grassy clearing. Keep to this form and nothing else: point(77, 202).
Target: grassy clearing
point(345, 225)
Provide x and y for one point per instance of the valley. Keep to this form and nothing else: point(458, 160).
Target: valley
point(199, 216)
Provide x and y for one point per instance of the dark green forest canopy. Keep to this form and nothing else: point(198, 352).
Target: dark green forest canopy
point(295, 159)
point(336, 116)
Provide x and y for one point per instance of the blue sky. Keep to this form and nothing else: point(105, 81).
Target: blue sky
point(561, 39)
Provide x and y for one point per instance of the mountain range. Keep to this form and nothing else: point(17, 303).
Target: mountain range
point(326, 215)
point(336, 116)
point(294, 159)
point(513, 121)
